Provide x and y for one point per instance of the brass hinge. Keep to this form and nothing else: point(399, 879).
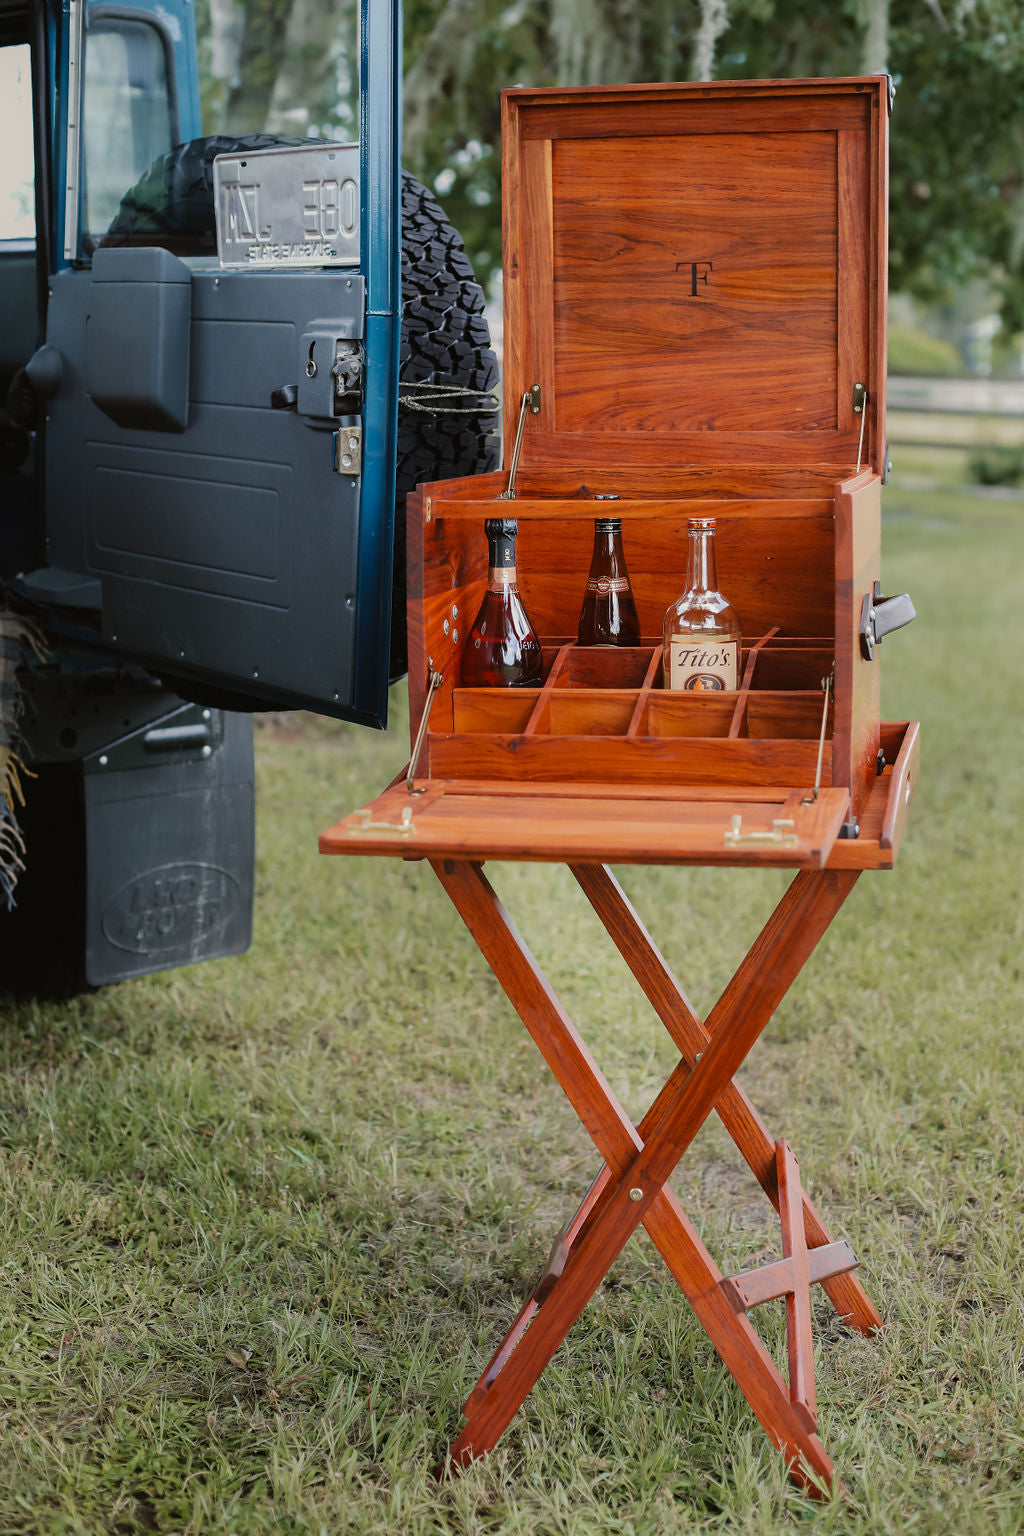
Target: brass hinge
point(782, 834)
point(401, 828)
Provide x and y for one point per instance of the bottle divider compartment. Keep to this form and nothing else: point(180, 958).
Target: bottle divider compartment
point(693, 715)
point(602, 713)
point(798, 669)
point(604, 666)
point(613, 691)
point(629, 712)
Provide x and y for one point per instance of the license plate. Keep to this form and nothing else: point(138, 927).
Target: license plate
point(291, 207)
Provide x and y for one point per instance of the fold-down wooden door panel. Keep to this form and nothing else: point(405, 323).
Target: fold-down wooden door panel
point(613, 823)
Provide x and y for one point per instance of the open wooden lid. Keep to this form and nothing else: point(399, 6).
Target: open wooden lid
point(696, 274)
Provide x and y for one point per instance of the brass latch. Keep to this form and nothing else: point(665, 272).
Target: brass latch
point(782, 834)
point(401, 828)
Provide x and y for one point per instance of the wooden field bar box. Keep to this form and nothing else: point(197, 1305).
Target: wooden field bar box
point(695, 293)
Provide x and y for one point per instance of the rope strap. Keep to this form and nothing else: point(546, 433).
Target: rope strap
point(439, 399)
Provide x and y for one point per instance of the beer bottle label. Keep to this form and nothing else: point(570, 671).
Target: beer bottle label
point(702, 666)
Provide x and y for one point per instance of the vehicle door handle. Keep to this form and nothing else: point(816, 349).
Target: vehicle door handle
point(39, 380)
point(44, 371)
point(286, 398)
point(177, 738)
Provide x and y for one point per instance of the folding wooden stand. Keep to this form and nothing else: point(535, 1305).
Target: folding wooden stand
point(631, 1187)
point(695, 281)
point(638, 1159)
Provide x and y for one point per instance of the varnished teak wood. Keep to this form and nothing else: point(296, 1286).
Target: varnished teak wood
point(695, 276)
point(640, 1159)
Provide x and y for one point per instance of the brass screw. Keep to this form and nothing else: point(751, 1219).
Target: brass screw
point(636, 1194)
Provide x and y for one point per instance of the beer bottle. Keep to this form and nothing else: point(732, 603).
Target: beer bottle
point(608, 615)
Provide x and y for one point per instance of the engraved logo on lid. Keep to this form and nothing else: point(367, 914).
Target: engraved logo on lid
point(699, 274)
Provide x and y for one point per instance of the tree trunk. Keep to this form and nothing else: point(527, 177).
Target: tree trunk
point(875, 58)
point(314, 37)
point(227, 28)
point(248, 97)
point(714, 19)
point(436, 72)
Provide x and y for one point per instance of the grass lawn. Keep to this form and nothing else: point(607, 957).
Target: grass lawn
point(263, 1221)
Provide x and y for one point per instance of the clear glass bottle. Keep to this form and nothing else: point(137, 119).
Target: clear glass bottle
point(502, 649)
point(608, 615)
point(702, 635)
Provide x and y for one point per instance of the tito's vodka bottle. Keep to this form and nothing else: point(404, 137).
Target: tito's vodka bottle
point(608, 616)
point(702, 634)
point(502, 649)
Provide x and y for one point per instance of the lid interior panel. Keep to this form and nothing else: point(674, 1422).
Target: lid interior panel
point(696, 277)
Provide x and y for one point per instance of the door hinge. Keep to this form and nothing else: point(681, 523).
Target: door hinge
point(348, 451)
point(782, 835)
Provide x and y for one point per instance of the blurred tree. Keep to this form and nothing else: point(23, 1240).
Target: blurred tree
point(957, 205)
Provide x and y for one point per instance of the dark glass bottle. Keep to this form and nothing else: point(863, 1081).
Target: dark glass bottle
point(502, 649)
point(608, 615)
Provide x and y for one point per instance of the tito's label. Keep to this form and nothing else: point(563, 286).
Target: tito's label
point(700, 666)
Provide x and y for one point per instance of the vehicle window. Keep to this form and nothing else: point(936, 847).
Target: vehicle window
point(128, 118)
point(17, 173)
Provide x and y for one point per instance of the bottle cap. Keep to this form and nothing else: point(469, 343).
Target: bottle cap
point(501, 528)
point(607, 524)
point(701, 524)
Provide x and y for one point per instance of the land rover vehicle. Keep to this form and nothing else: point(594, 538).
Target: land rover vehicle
point(200, 455)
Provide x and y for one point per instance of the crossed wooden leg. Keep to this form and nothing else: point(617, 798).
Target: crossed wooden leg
point(734, 1109)
point(639, 1160)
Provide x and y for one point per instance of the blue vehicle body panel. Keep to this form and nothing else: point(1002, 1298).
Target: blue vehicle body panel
point(367, 587)
point(381, 237)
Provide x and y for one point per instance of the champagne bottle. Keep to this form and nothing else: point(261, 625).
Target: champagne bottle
point(608, 615)
point(502, 649)
point(702, 635)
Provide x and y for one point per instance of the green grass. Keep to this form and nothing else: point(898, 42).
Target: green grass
point(263, 1221)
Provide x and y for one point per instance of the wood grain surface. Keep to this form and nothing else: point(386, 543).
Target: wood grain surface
point(641, 1158)
point(686, 382)
point(697, 278)
point(857, 681)
point(530, 808)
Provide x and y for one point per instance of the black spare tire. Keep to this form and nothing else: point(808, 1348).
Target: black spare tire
point(445, 337)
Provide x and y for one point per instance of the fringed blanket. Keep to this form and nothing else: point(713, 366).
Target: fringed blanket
point(17, 638)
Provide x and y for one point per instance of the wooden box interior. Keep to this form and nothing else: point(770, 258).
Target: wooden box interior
point(695, 279)
point(602, 713)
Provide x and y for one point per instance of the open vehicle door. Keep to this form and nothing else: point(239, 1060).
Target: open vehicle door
point(220, 436)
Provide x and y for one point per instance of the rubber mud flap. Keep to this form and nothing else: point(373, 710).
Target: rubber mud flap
point(138, 865)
